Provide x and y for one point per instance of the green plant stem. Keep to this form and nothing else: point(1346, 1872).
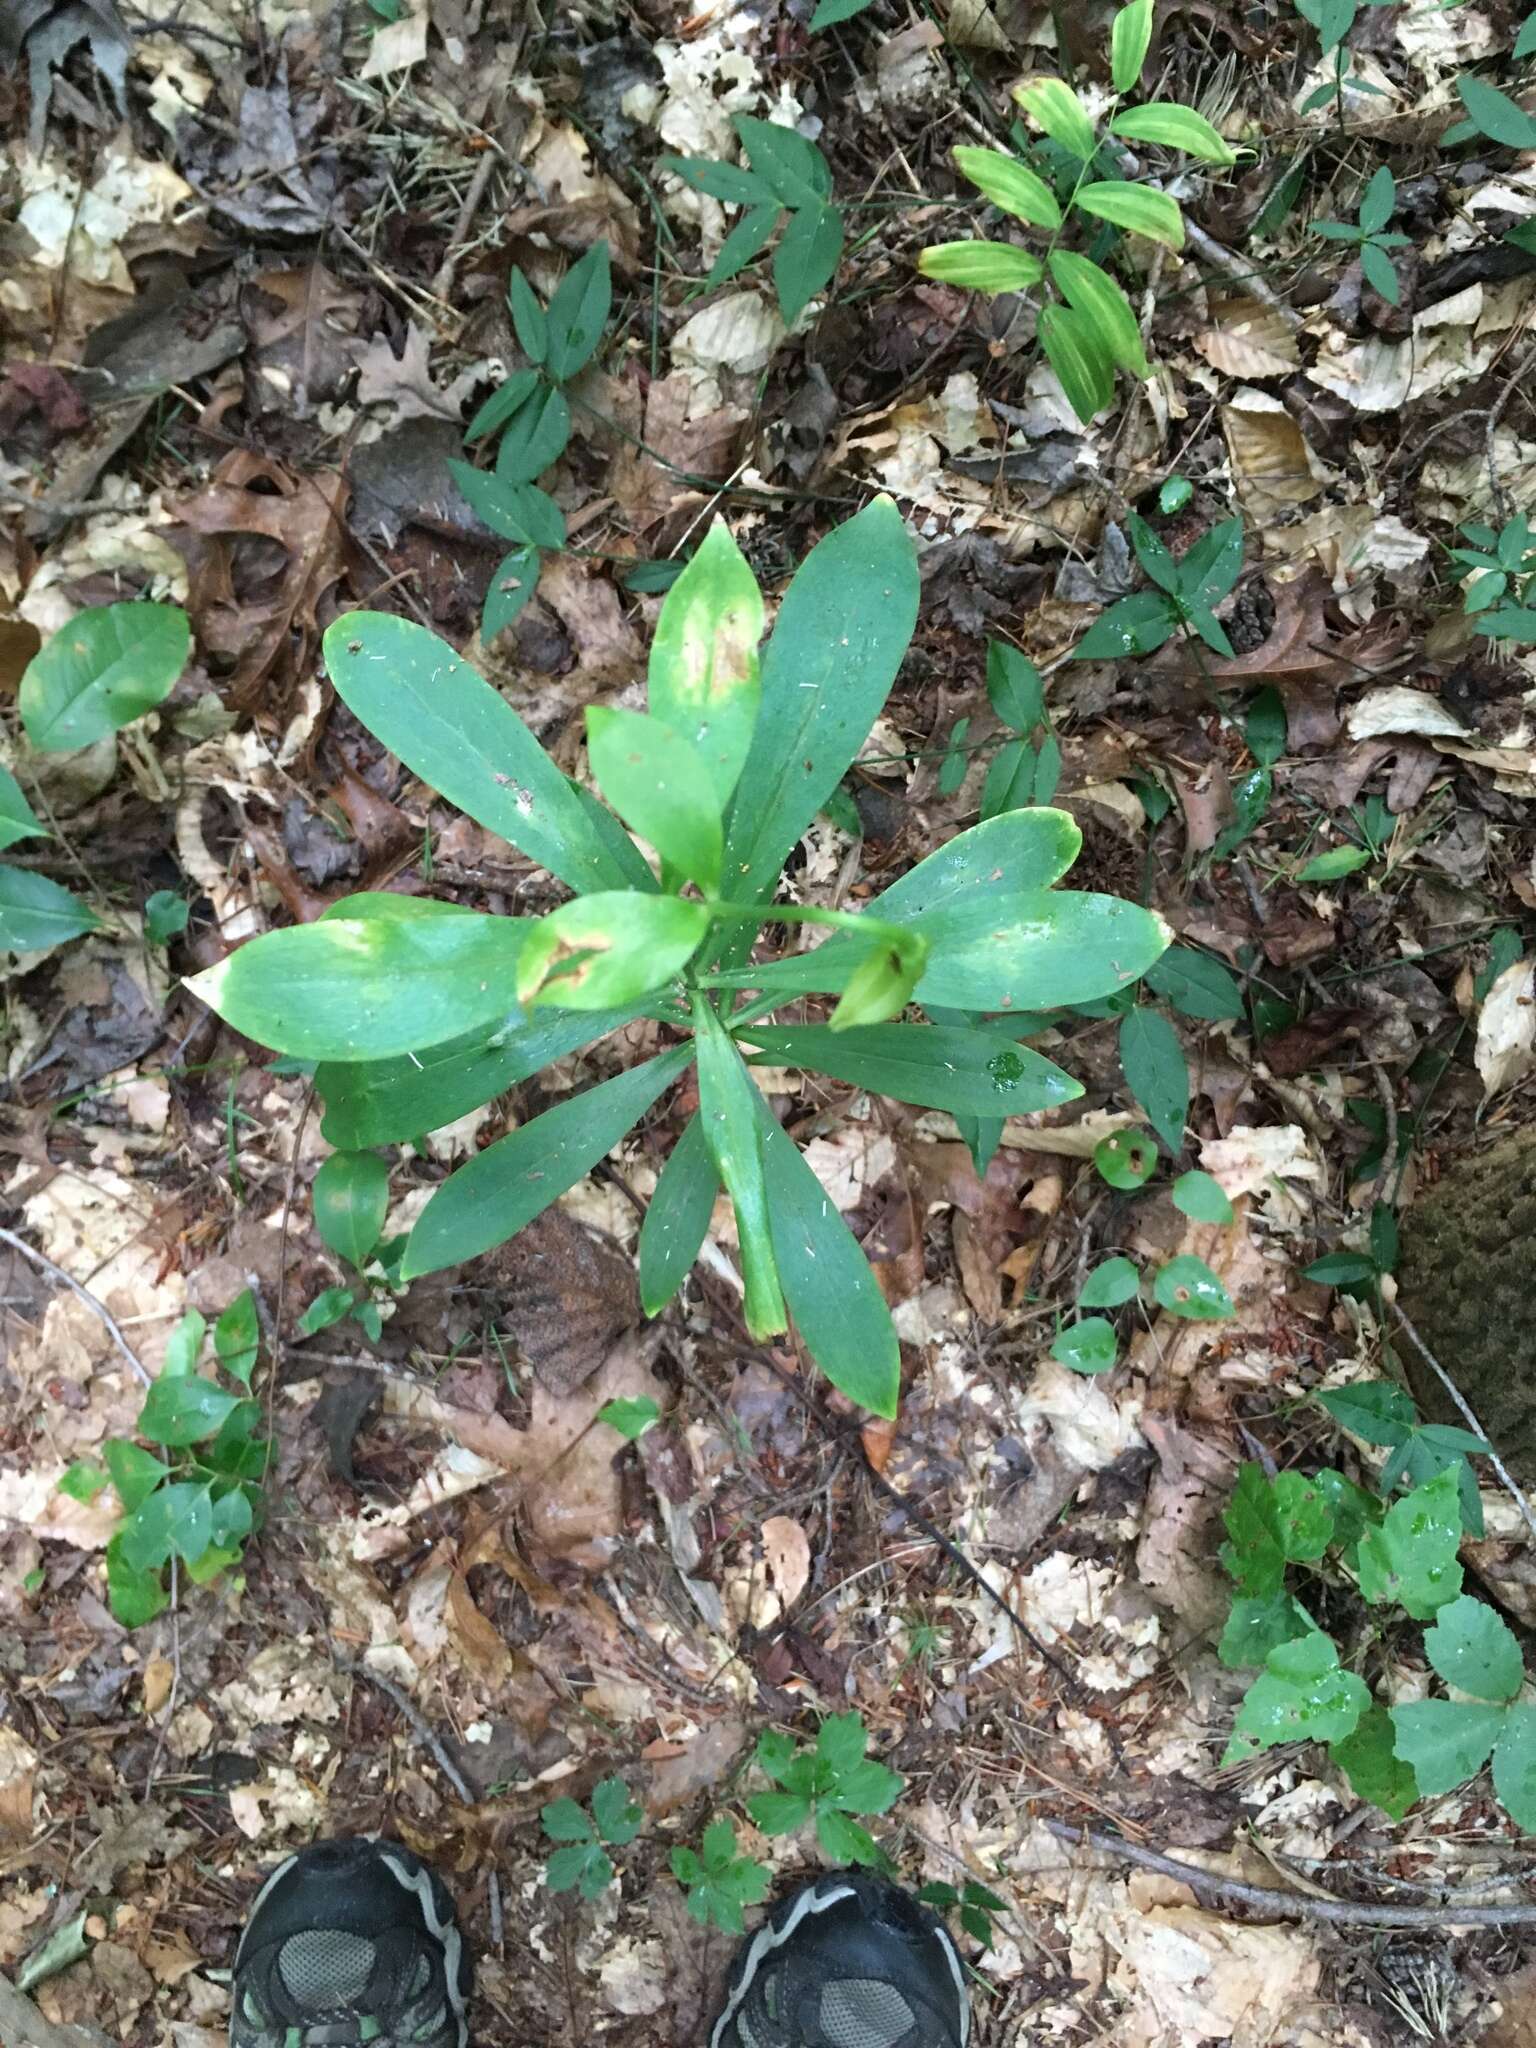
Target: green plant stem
point(783, 913)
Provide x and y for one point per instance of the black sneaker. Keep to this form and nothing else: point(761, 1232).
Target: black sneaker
point(351, 1942)
point(848, 1961)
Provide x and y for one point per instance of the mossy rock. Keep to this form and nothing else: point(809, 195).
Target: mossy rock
point(1467, 1278)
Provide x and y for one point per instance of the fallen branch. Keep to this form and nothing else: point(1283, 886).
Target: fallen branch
point(420, 1727)
point(97, 1308)
point(1294, 1905)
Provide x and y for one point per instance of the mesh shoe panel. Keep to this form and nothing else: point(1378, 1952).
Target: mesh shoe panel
point(862, 2012)
point(325, 1969)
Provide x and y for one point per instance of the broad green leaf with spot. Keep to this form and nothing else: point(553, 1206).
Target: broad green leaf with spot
point(882, 984)
point(1474, 1650)
point(36, 913)
point(731, 1111)
point(617, 1815)
point(981, 266)
point(493, 1195)
point(631, 1416)
point(505, 400)
point(1153, 1063)
point(1354, 1510)
point(608, 949)
point(135, 1595)
point(1100, 302)
point(17, 818)
point(1196, 984)
point(1135, 625)
point(1445, 1742)
point(370, 979)
point(1052, 105)
point(1514, 1766)
point(794, 168)
point(1135, 208)
point(1202, 1197)
point(1086, 1346)
point(1495, 114)
point(1369, 1761)
point(841, 632)
point(1010, 185)
point(1130, 37)
point(843, 1839)
point(1173, 127)
point(351, 1199)
point(1301, 1696)
point(108, 666)
point(677, 1217)
point(578, 313)
point(183, 1411)
point(1210, 568)
point(1110, 1285)
point(1254, 1556)
point(1410, 1561)
point(446, 723)
point(1303, 1517)
point(175, 1518)
point(528, 318)
point(237, 1337)
point(535, 438)
point(512, 583)
point(807, 257)
point(387, 1102)
point(1187, 1287)
point(967, 1072)
point(704, 679)
point(832, 1294)
point(1080, 357)
point(1174, 493)
point(658, 783)
point(135, 1472)
point(1257, 1624)
point(1125, 1158)
point(1014, 688)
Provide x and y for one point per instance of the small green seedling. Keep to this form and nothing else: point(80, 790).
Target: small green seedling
point(582, 1863)
point(973, 1902)
point(1187, 591)
point(826, 1785)
point(1502, 567)
point(717, 1883)
point(789, 182)
point(1027, 769)
point(351, 1200)
point(202, 1499)
point(108, 666)
point(529, 418)
point(1370, 237)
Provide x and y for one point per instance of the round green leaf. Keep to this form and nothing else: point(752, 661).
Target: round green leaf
point(36, 913)
point(1087, 1346)
point(1474, 1650)
point(351, 1199)
point(107, 666)
point(165, 914)
point(1125, 1159)
point(183, 1411)
point(607, 949)
point(1200, 1196)
point(1301, 1695)
point(981, 266)
point(631, 1417)
point(1186, 1286)
point(1110, 1285)
point(1174, 494)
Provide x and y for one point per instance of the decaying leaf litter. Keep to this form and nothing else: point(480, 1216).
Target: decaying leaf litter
point(256, 277)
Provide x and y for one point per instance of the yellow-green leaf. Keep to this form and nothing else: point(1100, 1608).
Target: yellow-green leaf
point(1105, 308)
point(981, 266)
point(1052, 105)
point(1073, 351)
point(1134, 208)
point(606, 949)
point(703, 678)
point(1174, 127)
point(1129, 39)
point(1010, 185)
point(656, 781)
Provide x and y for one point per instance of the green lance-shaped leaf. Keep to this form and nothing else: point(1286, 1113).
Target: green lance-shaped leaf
point(1135, 208)
point(1156, 1071)
point(351, 1199)
point(703, 679)
point(840, 635)
point(794, 169)
point(968, 1073)
point(1077, 353)
point(677, 1217)
point(807, 257)
point(1010, 185)
point(1130, 37)
point(832, 1294)
point(107, 666)
point(657, 782)
point(1052, 105)
point(609, 949)
point(374, 977)
point(1174, 127)
point(494, 1194)
point(18, 820)
point(981, 266)
point(578, 313)
point(1099, 301)
point(729, 1110)
point(36, 913)
point(448, 726)
point(1495, 114)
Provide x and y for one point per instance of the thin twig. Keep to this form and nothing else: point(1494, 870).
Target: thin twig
point(1382, 1185)
point(1515, 1492)
point(419, 1727)
point(170, 1705)
point(442, 284)
point(1496, 412)
point(97, 1308)
point(1293, 1905)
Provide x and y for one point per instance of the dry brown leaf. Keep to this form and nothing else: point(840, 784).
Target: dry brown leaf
point(1248, 339)
point(787, 1553)
point(159, 1675)
point(18, 1769)
point(1272, 465)
point(1506, 1028)
point(170, 1958)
